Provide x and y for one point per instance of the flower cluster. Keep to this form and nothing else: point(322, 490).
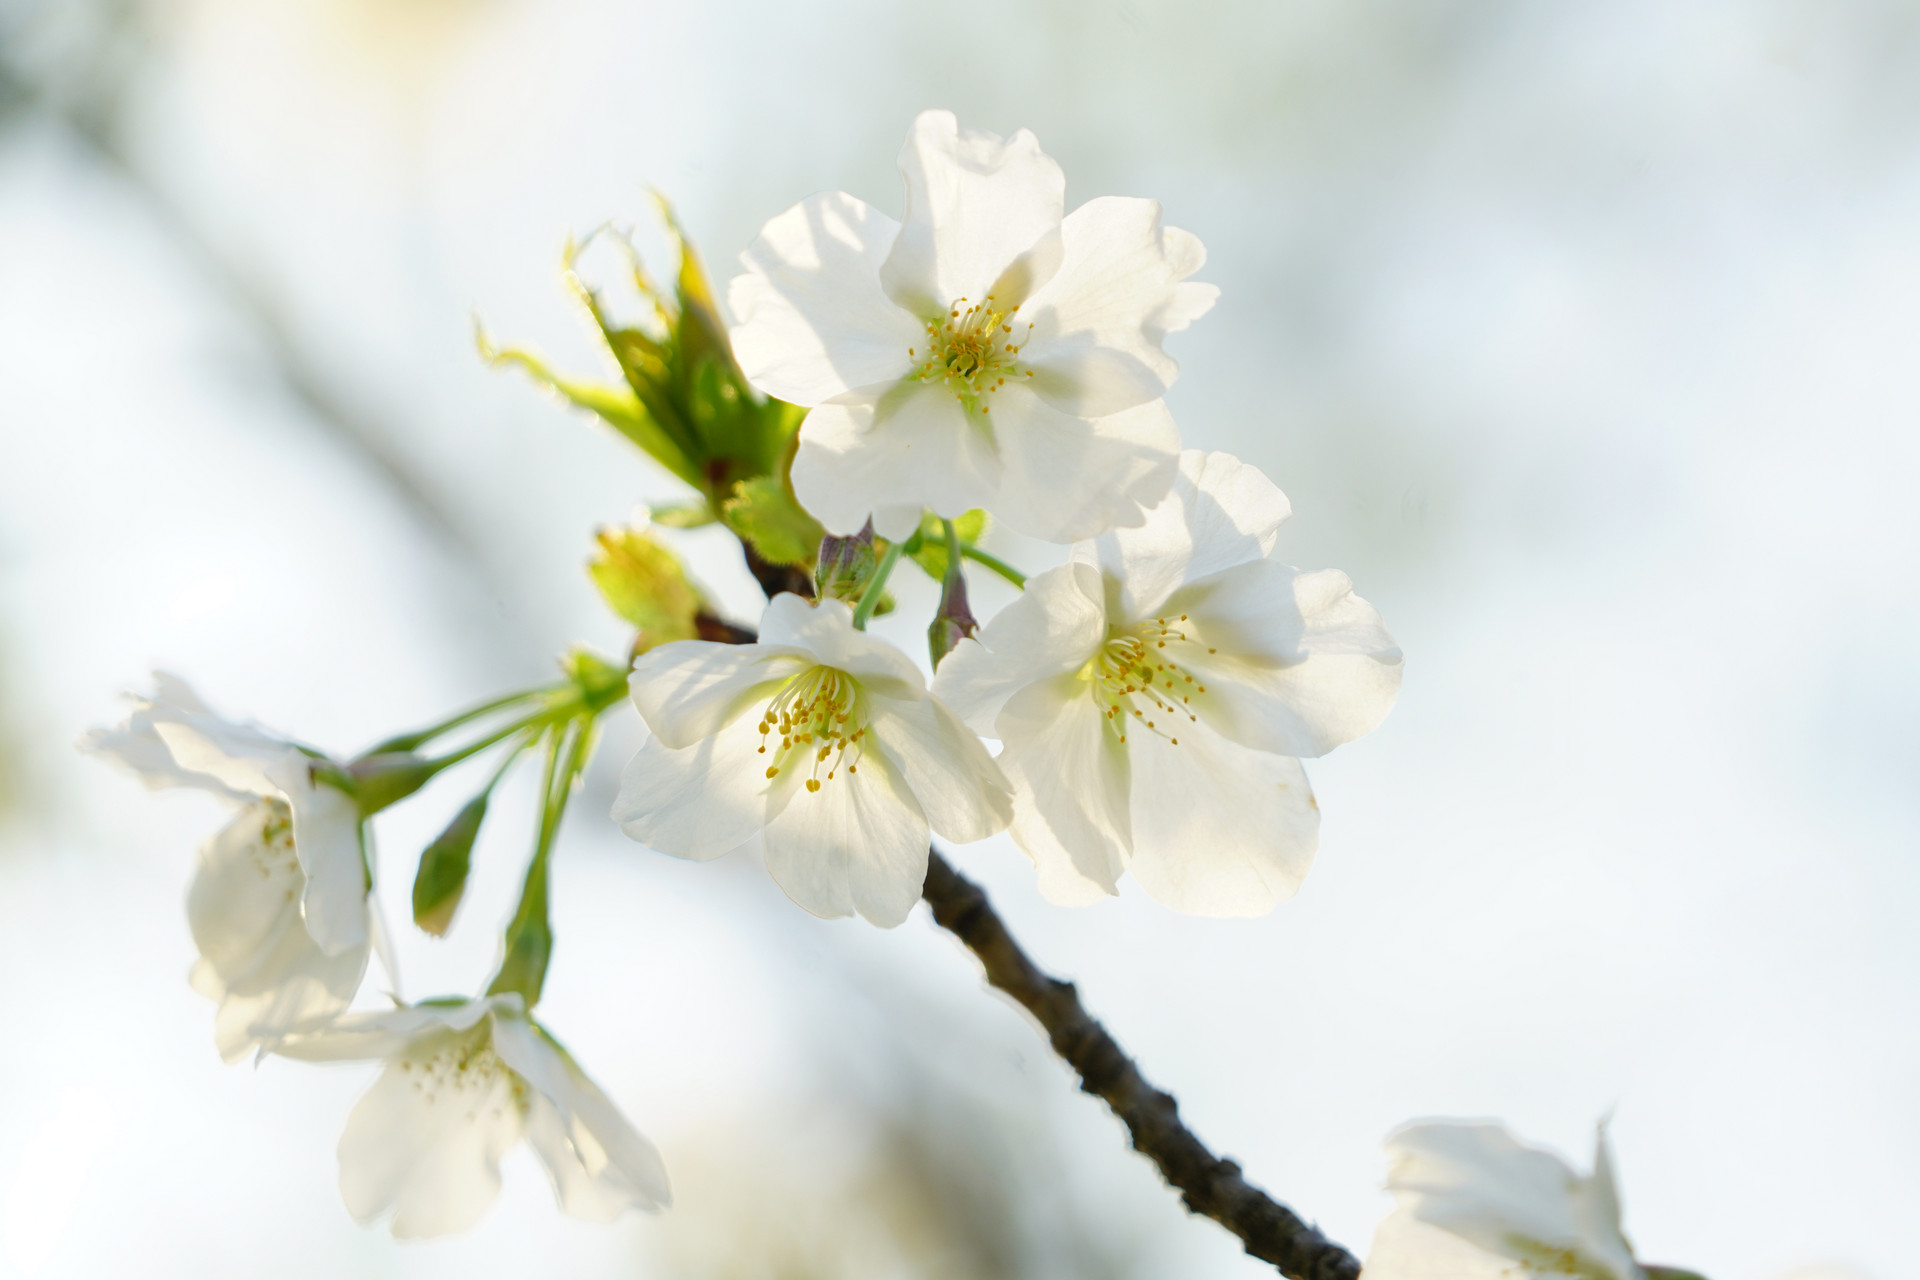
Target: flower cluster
point(1153, 697)
point(888, 389)
point(282, 916)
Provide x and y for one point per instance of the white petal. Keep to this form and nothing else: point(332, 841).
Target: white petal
point(245, 891)
point(1099, 322)
point(1070, 776)
point(1478, 1182)
point(1405, 1248)
point(384, 1033)
point(426, 1140)
point(1299, 664)
point(960, 789)
point(976, 203)
point(238, 756)
point(688, 689)
point(1065, 478)
point(256, 958)
point(1053, 628)
point(1219, 512)
point(700, 801)
point(1218, 830)
point(138, 748)
point(599, 1163)
point(859, 843)
point(326, 838)
point(824, 629)
point(911, 445)
point(811, 319)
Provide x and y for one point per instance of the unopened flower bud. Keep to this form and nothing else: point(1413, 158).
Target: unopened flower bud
point(953, 621)
point(441, 881)
point(845, 565)
point(376, 781)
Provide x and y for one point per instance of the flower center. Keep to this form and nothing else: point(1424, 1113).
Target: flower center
point(1138, 679)
point(820, 716)
point(466, 1074)
point(271, 851)
point(971, 350)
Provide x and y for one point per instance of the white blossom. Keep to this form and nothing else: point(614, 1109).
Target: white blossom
point(985, 352)
point(463, 1082)
point(1153, 696)
point(278, 904)
point(1473, 1203)
point(821, 741)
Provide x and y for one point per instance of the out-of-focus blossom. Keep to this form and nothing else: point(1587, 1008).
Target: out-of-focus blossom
point(1473, 1203)
point(821, 740)
point(278, 905)
point(464, 1081)
point(1154, 695)
point(985, 352)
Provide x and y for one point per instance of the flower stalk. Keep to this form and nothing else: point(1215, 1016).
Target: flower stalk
point(870, 598)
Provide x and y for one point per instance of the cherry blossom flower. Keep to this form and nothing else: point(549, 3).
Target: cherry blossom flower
point(1154, 694)
point(1473, 1203)
point(822, 742)
point(278, 904)
point(987, 351)
point(463, 1082)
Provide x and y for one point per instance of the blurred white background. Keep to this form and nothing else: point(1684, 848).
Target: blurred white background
point(1581, 335)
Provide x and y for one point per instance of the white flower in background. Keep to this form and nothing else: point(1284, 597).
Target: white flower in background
point(1472, 1203)
point(820, 739)
point(464, 1081)
point(1153, 694)
point(986, 352)
point(278, 905)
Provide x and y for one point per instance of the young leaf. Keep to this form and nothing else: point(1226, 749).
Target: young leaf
point(765, 513)
point(618, 407)
point(645, 583)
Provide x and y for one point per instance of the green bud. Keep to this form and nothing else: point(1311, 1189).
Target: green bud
point(441, 881)
point(845, 565)
point(645, 583)
point(378, 780)
point(953, 621)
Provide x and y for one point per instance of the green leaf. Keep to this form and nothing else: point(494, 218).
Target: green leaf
point(441, 881)
point(681, 515)
point(931, 554)
point(765, 513)
point(618, 407)
point(645, 583)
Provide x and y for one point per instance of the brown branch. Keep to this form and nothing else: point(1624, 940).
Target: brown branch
point(1208, 1184)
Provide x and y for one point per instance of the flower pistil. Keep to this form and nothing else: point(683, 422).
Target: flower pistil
point(822, 714)
point(971, 351)
point(1134, 666)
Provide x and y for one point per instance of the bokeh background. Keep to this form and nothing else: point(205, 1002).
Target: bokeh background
point(1582, 335)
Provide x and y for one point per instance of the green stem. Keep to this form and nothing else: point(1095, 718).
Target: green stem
point(996, 564)
point(419, 737)
point(870, 599)
point(529, 939)
point(953, 547)
point(475, 748)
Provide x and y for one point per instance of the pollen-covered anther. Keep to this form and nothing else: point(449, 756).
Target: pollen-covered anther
point(1134, 664)
point(821, 712)
point(965, 352)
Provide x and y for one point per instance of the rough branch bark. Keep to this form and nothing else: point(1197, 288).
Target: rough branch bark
point(1208, 1184)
